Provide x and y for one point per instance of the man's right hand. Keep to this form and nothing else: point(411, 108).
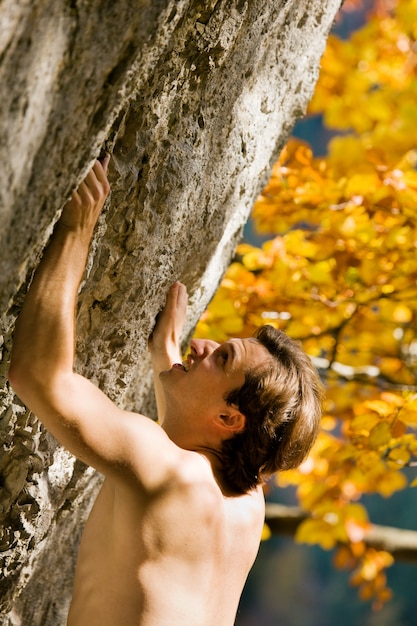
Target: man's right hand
point(164, 342)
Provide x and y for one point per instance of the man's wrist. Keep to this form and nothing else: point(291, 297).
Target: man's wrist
point(81, 233)
point(165, 359)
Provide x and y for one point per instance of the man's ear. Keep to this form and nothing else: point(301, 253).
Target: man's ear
point(232, 421)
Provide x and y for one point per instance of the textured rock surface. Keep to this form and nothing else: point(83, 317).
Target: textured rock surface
point(194, 101)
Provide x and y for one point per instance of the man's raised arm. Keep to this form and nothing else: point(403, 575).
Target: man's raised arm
point(82, 418)
point(43, 346)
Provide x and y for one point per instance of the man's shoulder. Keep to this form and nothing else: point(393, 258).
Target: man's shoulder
point(195, 478)
point(193, 483)
point(193, 470)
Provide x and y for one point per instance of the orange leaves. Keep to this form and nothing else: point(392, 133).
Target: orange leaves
point(316, 531)
point(340, 469)
point(367, 458)
point(333, 524)
point(299, 182)
point(379, 431)
point(371, 579)
point(356, 246)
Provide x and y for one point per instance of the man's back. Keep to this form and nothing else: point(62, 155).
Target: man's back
point(180, 556)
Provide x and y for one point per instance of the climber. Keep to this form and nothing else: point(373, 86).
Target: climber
point(177, 523)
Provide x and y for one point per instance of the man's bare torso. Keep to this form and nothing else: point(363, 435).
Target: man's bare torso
point(178, 557)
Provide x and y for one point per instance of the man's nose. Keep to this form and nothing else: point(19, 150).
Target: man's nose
point(203, 347)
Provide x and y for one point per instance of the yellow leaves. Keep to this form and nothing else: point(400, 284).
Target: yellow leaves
point(407, 17)
point(370, 577)
point(378, 108)
point(343, 558)
point(321, 272)
point(392, 311)
point(379, 426)
point(390, 366)
point(399, 457)
point(254, 259)
point(408, 414)
point(231, 326)
point(222, 308)
point(361, 184)
point(298, 245)
point(399, 237)
point(383, 407)
point(402, 314)
point(266, 533)
point(364, 82)
point(380, 435)
point(224, 317)
point(342, 471)
point(298, 182)
point(313, 531)
point(357, 249)
point(374, 562)
point(333, 523)
point(390, 482)
point(356, 522)
point(369, 462)
point(346, 154)
point(363, 423)
point(410, 179)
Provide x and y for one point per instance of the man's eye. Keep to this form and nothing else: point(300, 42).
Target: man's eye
point(224, 356)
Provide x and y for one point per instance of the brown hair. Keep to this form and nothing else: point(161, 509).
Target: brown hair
point(281, 401)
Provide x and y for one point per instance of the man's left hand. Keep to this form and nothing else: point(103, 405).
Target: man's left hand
point(81, 212)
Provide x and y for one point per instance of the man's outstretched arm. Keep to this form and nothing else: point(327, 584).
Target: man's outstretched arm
point(76, 412)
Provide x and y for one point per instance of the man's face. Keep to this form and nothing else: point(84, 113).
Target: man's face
point(210, 372)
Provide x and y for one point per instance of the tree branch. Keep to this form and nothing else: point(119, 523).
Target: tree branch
point(402, 544)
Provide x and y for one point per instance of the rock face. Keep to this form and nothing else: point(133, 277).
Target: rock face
point(194, 101)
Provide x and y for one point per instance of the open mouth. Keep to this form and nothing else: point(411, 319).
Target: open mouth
point(182, 366)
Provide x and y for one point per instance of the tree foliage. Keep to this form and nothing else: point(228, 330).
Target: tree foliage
point(338, 272)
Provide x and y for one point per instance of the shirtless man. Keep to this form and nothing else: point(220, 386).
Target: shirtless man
point(176, 526)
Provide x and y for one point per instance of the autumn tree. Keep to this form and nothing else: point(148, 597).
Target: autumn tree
point(338, 272)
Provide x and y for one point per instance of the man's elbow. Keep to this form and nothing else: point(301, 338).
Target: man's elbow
point(34, 389)
point(20, 379)
point(26, 380)
point(13, 377)
point(15, 373)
